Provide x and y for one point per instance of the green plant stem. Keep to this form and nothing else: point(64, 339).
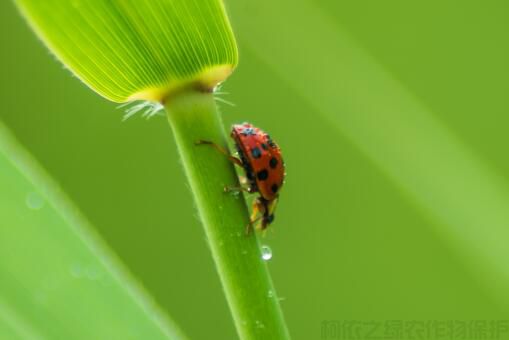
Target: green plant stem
point(244, 275)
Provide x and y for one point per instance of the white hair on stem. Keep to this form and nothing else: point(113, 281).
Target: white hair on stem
point(148, 109)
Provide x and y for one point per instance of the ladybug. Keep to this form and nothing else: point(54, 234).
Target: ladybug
point(261, 159)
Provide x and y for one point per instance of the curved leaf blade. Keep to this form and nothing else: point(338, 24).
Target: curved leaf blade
point(131, 49)
point(58, 280)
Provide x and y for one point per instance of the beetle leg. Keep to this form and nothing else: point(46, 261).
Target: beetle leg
point(228, 188)
point(257, 214)
point(222, 150)
point(254, 213)
point(245, 186)
point(250, 225)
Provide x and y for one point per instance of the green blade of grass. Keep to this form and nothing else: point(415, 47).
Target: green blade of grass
point(58, 280)
point(466, 198)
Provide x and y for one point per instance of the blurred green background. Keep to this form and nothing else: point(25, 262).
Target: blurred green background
point(349, 242)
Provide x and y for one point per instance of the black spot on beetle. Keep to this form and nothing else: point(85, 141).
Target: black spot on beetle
point(274, 188)
point(273, 162)
point(249, 173)
point(262, 175)
point(264, 146)
point(247, 167)
point(256, 152)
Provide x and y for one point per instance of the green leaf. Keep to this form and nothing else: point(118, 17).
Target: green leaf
point(58, 280)
point(138, 49)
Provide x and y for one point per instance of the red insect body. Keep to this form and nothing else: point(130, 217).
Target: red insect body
point(265, 170)
point(261, 158)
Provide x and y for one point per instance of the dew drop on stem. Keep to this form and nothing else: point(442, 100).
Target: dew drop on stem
point(266, 252)
point(34, 201)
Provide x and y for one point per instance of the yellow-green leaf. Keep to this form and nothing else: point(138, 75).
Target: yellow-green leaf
point(137, 49)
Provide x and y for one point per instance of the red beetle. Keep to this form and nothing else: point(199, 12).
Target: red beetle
point(261, 159)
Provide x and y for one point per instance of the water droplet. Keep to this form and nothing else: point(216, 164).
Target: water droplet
point(76, 271)
point(34, 201)
point(270, 294)
point(244, 252)
point(266, 253)
point(93, 274)
point(259, 324)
